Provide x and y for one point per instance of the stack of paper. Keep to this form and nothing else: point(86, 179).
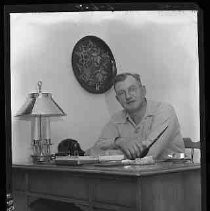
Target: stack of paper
point(110, 157)
point(72, 160)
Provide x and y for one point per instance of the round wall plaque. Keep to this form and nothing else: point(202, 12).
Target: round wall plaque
point(93, 64)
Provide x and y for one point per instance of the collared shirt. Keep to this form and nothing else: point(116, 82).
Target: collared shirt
point(157, 116)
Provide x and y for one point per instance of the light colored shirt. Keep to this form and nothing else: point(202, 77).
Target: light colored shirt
point(158, 115)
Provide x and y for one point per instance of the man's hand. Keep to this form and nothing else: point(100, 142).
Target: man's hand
point(132, 148)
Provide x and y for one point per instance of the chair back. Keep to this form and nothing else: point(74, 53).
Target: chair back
point(189, 144)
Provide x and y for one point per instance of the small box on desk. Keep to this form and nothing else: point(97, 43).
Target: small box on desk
point(71, 160)
point(79, 160)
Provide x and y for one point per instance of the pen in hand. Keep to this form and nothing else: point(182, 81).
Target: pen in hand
point(146, 149)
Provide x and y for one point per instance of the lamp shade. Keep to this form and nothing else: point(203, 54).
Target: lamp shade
point(40, 104)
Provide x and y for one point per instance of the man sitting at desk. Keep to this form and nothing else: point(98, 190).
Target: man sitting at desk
point(138, 124)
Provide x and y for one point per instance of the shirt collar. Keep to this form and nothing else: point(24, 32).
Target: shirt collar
point(151, 107)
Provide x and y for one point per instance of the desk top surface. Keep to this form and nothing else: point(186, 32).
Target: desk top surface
point(129, 170)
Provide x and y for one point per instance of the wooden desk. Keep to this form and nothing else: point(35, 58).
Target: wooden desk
point(159, 187)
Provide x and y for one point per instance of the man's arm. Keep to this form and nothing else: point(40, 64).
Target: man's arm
point(131, 147)
point(108, 136)
point(111, 142)
point(165, 117)
point(106, 141)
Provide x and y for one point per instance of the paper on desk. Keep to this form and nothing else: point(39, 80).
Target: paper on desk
point(110, 157)
point(72, 160)
point(140, 161)
point(145, 160)
point(76, 158)
point(99, 158)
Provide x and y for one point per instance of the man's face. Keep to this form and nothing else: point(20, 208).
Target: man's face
point(130, 94)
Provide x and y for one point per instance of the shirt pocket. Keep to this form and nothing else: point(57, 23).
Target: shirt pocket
point(144, 128)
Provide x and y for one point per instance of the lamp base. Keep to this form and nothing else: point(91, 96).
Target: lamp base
point(41, 158)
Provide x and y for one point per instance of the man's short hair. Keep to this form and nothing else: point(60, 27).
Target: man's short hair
point(123, 76)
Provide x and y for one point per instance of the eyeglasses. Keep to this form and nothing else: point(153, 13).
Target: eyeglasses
point(131, 91)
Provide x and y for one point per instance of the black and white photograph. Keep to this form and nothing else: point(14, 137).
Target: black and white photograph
point(105, 108)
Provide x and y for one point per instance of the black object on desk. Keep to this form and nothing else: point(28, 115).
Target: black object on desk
point(69, 147)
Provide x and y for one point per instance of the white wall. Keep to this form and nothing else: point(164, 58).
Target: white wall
point(161, 46)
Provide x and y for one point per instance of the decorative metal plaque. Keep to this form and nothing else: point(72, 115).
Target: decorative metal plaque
point(93, 64)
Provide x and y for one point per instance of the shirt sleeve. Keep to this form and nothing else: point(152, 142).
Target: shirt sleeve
point(108, 136)
point(165, 116)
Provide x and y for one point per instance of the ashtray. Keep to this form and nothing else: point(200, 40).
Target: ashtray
point(177, 157)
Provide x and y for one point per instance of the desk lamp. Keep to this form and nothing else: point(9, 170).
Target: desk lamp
point(40, 107)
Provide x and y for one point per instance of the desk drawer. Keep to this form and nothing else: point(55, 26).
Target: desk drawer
point(59, 184)
point(118, 192)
